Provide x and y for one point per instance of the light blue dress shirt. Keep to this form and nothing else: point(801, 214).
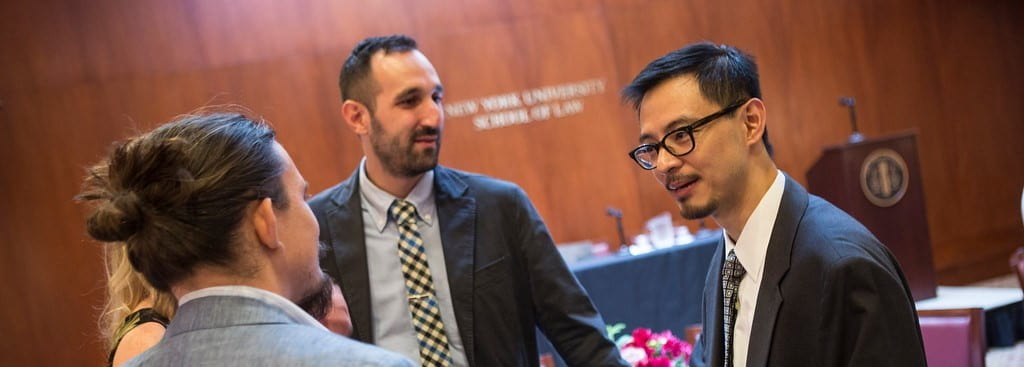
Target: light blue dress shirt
point(392, 323)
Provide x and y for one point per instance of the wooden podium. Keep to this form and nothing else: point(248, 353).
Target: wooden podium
point(878, 182)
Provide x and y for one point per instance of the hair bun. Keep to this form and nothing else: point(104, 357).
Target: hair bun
point(116, 220)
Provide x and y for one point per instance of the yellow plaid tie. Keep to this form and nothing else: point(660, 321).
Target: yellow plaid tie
point(426, 316)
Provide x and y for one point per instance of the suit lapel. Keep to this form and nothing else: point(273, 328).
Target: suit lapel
point(776, 264)
point(457, 216)
point(713, 291)
point(349, 249)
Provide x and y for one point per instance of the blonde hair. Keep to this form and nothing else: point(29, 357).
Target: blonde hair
point(126, 289)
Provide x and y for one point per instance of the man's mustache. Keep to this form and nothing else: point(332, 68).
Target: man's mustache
point(426, 131)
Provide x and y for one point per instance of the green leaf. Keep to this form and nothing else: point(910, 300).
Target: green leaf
point(614, 330)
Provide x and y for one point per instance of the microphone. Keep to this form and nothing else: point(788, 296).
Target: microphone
point(617, 214)
point(849, 102)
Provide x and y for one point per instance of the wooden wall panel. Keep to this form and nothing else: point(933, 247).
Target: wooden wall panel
point(77, 75)
point(565, 164)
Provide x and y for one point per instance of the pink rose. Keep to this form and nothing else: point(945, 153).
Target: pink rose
point(675, 347)
point(664, 335)
point(641, 335)
point(641, 339)
point(633, 355)
point(656, 362)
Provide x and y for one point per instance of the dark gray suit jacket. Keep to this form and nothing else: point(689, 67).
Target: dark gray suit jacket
point(505, 275)
point(240, 331)
point(831, 295)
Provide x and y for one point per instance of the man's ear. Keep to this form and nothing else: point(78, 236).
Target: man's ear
point(357, 116)
point(265, 223)
point(754, 121)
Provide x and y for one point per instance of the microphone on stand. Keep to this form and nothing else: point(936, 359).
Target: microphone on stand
point(617, 214)
point(856, 137)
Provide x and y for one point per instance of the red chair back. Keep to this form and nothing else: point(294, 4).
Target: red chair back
point(954, 338)
point(692, 332)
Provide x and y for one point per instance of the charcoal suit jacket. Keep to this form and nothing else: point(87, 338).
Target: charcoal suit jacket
point(831, 295)
point(505, 275)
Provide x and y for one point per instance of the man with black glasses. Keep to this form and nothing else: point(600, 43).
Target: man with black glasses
point(795, 281)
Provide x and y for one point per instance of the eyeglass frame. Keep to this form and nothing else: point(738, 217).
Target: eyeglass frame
point(689, 131)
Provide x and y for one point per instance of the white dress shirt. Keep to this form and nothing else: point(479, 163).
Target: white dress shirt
point(751, 247)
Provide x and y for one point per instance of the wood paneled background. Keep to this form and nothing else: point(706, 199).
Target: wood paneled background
point(77, 75)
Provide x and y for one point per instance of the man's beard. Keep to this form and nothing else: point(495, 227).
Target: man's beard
point(404, 161)
point(318, 302)
point(686, 210)
point(690, 211)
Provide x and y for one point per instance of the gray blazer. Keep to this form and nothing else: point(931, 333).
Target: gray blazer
point(831, 295)
point(240, 331)
point(505, 275)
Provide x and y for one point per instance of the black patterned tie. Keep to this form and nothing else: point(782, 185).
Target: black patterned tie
point(732, 272)
point(426, 316)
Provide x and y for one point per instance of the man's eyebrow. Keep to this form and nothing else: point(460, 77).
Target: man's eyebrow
point(411, 91)
point(415, 90)
point(675, 124)
point(679, 122)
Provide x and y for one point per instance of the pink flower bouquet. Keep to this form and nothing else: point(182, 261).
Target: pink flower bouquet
point(646, 349)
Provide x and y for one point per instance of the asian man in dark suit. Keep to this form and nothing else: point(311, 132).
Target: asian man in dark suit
point(442, 266)
point(795, 281)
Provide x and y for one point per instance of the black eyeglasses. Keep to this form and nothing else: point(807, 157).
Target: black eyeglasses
point(678, 142)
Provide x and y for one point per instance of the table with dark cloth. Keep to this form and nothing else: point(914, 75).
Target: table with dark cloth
point(659, 290)
point(1004, 325)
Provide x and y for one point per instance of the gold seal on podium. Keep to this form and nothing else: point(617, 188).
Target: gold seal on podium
point(884, 177)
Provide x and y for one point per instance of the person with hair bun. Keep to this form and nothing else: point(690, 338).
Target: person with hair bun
point(211, 209)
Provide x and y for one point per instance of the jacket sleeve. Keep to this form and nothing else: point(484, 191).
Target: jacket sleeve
point(872, 320)
point(564, 311)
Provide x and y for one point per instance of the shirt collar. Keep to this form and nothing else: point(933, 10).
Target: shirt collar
point(377, 201)
point(752, 244)
point(271, 298)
